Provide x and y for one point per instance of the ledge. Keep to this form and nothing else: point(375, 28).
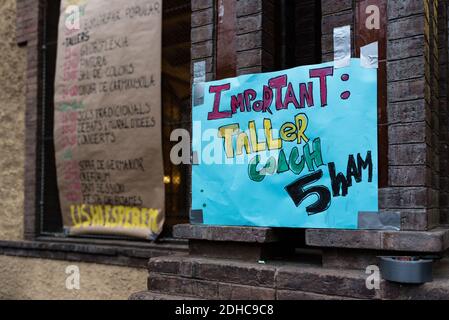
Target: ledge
point(109, 252)
point(222, 233)
point(433, 241)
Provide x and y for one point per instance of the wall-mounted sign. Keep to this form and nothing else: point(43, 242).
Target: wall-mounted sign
point(108, 117)
point(295, 148)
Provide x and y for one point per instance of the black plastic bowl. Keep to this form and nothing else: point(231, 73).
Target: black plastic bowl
point(406, 269)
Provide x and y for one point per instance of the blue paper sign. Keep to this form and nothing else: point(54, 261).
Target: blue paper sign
point(294, 148)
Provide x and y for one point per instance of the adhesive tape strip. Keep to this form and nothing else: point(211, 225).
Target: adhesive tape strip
point(199, 77)
point(369, 56)
point(384, 220)
point(342, 47)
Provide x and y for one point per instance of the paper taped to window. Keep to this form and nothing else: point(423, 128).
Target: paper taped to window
point(108, 117)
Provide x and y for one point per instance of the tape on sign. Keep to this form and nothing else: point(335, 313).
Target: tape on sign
point(199, 71)
point(196, 217)
point(342, 47)
point(384, 220)
point(369, 56)
point(199, 77)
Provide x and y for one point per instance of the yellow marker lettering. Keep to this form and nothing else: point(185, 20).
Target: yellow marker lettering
point(136, 217)
point(113, 221)
point(128, 215)
point(226, 133)
point(85, 215)
point(76, 223)
point(273, 144)
point(121, 216)
point(288, 132)
point(256, 146)
point(97, 216)
point(302, 123)
point(243, 142)
point(115, 216)
point(154, 214)
point(144, 217)
point(107, 215)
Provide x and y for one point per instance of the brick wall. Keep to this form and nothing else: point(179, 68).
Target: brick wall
point(412, 117)
point(432, 97)
point(255, 36)
point(202, 35)
point(416, 144)
point(444, 123)
point(334, 14)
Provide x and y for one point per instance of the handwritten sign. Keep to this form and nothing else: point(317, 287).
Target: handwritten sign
point(295, 148)
point(108, 117)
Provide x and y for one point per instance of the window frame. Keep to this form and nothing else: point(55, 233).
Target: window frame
point(37, 108)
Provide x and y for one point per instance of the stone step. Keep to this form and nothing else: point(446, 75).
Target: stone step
point(224, 279)
point(150, 295)
point(211, 290)
point(208, 278)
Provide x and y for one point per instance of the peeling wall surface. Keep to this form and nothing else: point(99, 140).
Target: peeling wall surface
point(12, 124)
point(24, 278)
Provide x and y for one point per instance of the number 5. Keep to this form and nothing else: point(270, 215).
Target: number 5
point(298, 192)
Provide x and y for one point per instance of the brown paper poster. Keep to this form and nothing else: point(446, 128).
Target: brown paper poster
point(108, 117)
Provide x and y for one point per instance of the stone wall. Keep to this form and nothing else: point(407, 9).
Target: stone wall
point(25, 278)
point(12, 126)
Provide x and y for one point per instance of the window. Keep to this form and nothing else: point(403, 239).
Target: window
point(175, 113)
point(298, 33)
